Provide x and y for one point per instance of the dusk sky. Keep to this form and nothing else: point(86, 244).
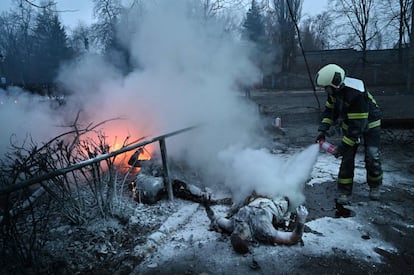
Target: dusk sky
point(75, 11)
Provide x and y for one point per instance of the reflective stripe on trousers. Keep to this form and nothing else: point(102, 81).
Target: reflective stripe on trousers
point(372, 157)
point(346, 171)
point(373, 167)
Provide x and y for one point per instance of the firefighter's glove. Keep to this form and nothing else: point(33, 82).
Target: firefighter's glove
point(321, 137)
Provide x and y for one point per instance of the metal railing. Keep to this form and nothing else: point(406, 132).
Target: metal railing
point(58, 172)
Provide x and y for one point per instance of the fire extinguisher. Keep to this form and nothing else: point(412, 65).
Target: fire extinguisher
point(328, 147)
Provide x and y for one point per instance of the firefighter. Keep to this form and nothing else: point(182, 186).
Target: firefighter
point(355, 110)
point(261, 219)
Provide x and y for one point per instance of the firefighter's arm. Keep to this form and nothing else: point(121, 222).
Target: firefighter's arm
point(288, 238)
point(327, 119)
point(327, 115)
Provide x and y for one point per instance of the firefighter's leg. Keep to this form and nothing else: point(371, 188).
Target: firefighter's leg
point(373, 161)
point(346, 172)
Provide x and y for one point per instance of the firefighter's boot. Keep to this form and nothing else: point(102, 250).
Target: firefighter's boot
point(343, 199)
point(374, 193)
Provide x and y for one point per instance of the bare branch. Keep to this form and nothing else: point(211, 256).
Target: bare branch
point(48, 5)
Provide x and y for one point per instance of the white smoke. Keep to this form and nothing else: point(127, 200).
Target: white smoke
point(260, 171)
point(188, 72)
point(25, 118)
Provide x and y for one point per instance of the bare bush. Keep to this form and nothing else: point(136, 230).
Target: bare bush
point(93, 191)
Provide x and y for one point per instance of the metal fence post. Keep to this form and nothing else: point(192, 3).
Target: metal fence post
point(166, 169)
point(58, 172)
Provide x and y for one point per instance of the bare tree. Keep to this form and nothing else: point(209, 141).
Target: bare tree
point(316, 31)
point(360, 25)
point(214, 8)
point(397, 16)
point(226, 11)
point(410, 75)
point(400, 15)
point(321, 25)
point(404, 21)
point(80, 39)
point(107, 12)
point(211, 7)
point(286, 14)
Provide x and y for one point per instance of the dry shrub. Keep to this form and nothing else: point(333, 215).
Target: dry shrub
point(93, 191)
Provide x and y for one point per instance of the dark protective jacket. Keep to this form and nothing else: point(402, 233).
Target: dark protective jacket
point(354, 109)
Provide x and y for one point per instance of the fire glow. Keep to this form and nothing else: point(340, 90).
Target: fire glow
point(115, 137)
point(127, 159)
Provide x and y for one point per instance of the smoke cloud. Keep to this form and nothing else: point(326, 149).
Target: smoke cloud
point(189, 69)
point(25, 118)
point(257, 170)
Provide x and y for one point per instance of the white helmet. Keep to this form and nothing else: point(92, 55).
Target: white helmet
point(330, 75)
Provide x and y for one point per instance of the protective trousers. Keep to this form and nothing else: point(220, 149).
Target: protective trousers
point(371, 140)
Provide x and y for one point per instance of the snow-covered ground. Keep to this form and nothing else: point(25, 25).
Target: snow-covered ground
point(185, 244)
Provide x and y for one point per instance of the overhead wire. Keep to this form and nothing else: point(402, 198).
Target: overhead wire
point(303, 53)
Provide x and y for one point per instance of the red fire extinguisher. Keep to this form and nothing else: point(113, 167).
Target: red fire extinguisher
point(328, 147)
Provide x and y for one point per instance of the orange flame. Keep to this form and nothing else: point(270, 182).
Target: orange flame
point(117, 137)
point(121, 160)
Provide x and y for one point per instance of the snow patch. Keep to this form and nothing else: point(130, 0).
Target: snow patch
point(173, 223)
point(345, 235)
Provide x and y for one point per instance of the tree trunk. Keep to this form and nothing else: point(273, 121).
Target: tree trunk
point(410, 73)
point(400, 33)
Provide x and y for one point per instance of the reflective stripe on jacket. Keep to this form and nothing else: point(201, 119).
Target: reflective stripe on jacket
point(354, 108)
